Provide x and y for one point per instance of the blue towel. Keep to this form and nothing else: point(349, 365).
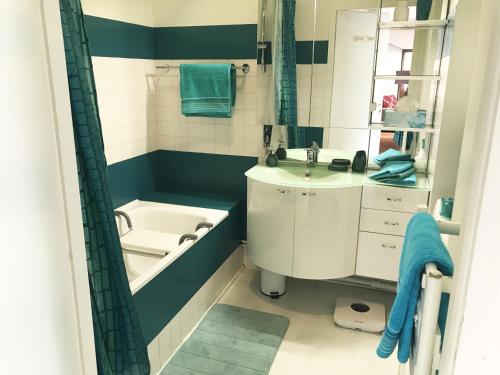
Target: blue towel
point(407, 177)
point(207, 90)
point(422, 244)
point(392, 168)
point(391, 155)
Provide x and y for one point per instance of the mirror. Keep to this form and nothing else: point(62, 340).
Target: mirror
point(353, 88)
point(285, 36)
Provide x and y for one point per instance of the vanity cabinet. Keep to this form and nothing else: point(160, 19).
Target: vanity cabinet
point(385, 213)
point(270, 221)
point(307, 233)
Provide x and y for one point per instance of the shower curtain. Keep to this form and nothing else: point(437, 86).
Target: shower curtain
point(119, 343)
point(285, 73)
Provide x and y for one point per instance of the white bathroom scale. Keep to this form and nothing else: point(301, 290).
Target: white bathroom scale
point(358, 313)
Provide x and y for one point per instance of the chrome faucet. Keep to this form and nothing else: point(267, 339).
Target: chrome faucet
point(312, 155)
point(310, 158)
point(315, 150)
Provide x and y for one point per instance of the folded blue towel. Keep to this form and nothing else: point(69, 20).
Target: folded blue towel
point(392, 168)
point(407, 177)
point(391, 155)
point(407, 181)
point(207, 90)
point(422, 245)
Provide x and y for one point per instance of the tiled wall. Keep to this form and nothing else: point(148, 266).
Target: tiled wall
point(239, 135)
point(127, 106)
point(172, 336)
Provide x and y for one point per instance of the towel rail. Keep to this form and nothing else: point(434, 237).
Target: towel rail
point(425, 353)
point(245, 68)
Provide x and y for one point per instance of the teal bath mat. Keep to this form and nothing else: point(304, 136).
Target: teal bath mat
point(230, 340)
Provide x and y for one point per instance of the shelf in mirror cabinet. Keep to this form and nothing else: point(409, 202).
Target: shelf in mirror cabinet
point(408, 78)
point(426, 129)
point(412, 24)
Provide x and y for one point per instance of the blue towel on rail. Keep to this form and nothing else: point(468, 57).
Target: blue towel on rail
point(207, 90)
point(422, 244)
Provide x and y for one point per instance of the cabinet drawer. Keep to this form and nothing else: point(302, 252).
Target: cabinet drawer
point(387, 222)
point(393, 198)
point(378, 256)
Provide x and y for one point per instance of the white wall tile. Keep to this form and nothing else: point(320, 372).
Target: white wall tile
point(127, 107)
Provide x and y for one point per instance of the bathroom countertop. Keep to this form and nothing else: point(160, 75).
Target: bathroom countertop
point(321, 177)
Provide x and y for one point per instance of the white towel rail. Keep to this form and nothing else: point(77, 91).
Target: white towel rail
point(425, 354)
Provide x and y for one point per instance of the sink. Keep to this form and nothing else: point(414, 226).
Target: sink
point(294, 175)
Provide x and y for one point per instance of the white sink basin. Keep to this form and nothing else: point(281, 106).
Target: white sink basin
point(294, 175)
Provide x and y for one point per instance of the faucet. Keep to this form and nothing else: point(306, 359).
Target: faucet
point(312, 155)
point(315, 150)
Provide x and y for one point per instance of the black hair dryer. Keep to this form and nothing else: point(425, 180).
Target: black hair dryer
point(359, 162)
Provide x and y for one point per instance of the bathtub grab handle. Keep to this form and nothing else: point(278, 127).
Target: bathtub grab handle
point(123, 214)
point(188, 236)
point(204, 225)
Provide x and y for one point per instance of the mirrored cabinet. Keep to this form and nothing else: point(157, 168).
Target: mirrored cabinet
point(367, 73)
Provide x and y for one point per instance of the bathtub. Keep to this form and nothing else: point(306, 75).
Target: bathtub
point(153, 242)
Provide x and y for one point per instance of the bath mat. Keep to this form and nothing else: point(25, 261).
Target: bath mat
point(230, 340)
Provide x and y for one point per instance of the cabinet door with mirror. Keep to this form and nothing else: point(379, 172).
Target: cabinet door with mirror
point(374, 78)
point(285, 47)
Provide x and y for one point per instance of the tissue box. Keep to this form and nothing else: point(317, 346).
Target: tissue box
point(405, 119)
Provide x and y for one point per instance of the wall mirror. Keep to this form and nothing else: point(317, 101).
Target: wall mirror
point(373, 80)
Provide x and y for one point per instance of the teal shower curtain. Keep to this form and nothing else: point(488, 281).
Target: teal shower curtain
point(119, 343)
point(285, 73)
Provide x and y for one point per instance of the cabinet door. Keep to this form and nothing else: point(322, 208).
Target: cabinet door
point(326, 232)
point(270, 226)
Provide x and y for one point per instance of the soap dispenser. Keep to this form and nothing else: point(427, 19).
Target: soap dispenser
point(272, 159)
point(281, 151)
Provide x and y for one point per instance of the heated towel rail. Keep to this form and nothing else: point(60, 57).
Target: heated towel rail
point(426, 348)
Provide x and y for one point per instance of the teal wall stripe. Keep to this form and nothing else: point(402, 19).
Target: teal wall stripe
point(206, 42)
point(110, 38)
point(304, 52)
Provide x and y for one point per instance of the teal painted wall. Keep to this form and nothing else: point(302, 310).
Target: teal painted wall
point(110, 38)
point(206, 42)
point(304, 52)
point(183, 173)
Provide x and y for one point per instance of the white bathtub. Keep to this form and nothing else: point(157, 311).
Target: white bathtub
point(152, 244)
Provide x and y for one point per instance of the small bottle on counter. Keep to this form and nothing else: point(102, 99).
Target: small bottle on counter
point(281, 151)
point(272, 159)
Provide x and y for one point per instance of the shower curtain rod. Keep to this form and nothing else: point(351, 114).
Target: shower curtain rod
point(245, 67)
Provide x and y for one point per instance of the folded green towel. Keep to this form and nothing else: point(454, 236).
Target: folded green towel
point(207, 90)
point(391, 155)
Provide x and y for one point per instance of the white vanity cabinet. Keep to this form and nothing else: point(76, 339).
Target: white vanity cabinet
point(307, 233)
point(326, 227)
point(385, 212)
point(270, 226)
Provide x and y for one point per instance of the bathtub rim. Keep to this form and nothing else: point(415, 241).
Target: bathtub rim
point(215, 216)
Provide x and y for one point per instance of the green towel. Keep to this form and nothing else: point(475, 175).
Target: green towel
point(207, 90)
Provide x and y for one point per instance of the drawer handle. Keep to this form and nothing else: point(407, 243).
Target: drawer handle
point(386, 246)
point(394, 199)
point(283, 191)
point(392, 223)
point(308, 194)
